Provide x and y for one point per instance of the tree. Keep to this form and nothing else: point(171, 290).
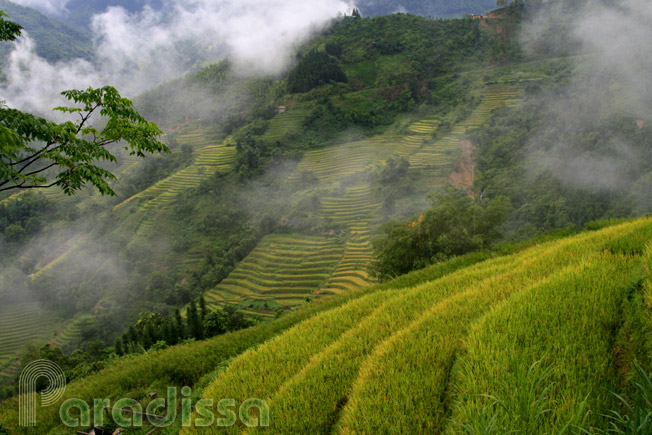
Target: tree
point(195, 325)
point(9, 31)
point(455, 225)
point(117, 344)
point(203, 310)
point(37, 153)
point(215, 323)
point(316, 68)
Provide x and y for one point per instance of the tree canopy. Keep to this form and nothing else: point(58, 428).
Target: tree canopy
point(455, 225)
point(38, 153)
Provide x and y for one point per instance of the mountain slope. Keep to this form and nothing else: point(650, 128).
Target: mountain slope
point(432, 340)
point(352, 372)
point(430, 8)
point(54, 41)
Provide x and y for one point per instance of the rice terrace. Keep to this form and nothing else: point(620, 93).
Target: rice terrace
point(326, 216)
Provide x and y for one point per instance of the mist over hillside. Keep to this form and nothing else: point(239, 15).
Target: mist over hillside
point(80, 12)
point(54, 41)
point(348, 197)
point(430, 8)
point(137, 50)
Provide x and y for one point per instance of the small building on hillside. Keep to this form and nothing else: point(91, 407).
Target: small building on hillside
point(282, 109)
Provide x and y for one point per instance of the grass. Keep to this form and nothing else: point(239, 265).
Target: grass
point(209, 157)
point(73, 330)
point(414, 360)
point(286, 124)
point(188, 364)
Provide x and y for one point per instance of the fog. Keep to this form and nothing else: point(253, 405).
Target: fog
point(611, 80)
point(137, 51)
point(55, 7)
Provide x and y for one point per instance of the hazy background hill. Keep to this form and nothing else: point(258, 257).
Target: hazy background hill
point(54, 40)
point(78, 13)
point(432, 8)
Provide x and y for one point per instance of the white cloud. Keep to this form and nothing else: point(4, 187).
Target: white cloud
point(613, 80)
point(47, 6)
point(136, 51)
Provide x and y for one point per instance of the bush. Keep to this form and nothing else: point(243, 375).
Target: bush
point(455, 226)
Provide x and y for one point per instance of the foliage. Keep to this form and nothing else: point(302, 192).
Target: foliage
point(25, 216)
point(33, 145)
point(455, 225)
point(316, 68)
point(394, 181)
point(434, 9)
point(515, 139)
point(9, 30)
point(637, 417)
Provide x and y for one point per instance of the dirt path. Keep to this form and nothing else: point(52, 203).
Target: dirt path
point(464, 176)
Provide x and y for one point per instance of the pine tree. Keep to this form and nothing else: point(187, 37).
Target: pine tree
point(118, 346)
point(180, 328)
point(133, 334)
point(195, 327)
point(202, 309)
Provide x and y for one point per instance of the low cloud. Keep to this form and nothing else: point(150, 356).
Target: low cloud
point(611, 81)
point(137, 51)
point(56, 7)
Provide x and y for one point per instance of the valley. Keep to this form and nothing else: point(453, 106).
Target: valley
point(416, 225)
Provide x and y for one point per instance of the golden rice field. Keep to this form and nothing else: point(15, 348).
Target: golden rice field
point(336, 162)
point(440, 153)
point(415, 360)
point(352, 211)
point(284, 268)
point(432, 352)
point(209, 157)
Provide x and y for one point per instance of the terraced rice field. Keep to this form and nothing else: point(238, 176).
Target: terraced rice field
point(209, 157)
point(384, 362)
point(11, 370)
point(73, 330)
point(283, 268)
point(336, 162)
point(284, 124)
point(419, 354)
point(425, 126)
point(352, 211)
point(19, 324)
point(440, 154)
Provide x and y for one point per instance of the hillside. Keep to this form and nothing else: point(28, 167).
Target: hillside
point(79, 12)
point(214, 218)
point(54, 41)
point(273, 208)
point(433, 8)
point(447, 335)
